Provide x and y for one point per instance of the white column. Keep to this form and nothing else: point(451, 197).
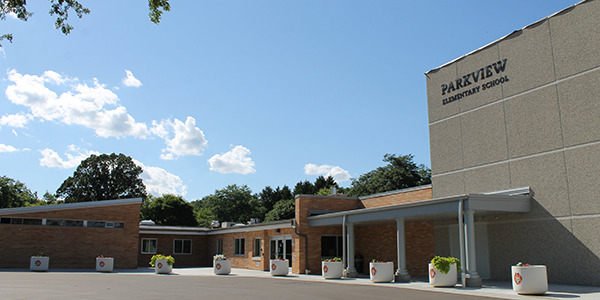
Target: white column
point(401, 273)
point(351, 271)
point(473, 279)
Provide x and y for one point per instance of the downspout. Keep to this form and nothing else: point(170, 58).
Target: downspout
point(344, 258)
point(306, 270)
point(461, 242)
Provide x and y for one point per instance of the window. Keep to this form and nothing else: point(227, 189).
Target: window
point(256, 247)
point(220, 246)
point(331, 246)
point(149, 246)
point(182, 247)
point(239, 247)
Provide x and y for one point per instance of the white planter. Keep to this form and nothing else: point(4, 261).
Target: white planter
point(162, 266)
point(332, 269)
point(104, 264)
point(437, 278)
point(39, 263)
point(532, 280)
point(279, 267)
point(222, 267)
point(381, 271)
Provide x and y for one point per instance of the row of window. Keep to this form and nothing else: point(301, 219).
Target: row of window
point(66, 223)
point(239, 246)
point(179, 246)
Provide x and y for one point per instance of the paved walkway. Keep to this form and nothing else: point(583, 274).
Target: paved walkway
point(494, 289)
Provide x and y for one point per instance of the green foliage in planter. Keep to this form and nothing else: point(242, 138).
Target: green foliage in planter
point(443, 263)
point(335, 259)
point(170, 259)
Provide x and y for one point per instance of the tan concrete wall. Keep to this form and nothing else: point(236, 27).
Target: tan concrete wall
point(537, 128)
point(73, 247)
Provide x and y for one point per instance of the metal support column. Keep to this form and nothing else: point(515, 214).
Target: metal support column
point(401, 273)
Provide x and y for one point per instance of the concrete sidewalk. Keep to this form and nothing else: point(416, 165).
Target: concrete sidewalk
point(496, 289)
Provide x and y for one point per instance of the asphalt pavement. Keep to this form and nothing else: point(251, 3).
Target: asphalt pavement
point(201, 283)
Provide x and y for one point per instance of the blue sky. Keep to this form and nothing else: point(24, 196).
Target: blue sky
point(261, 93)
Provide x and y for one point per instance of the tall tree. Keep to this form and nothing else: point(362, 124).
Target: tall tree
point(304, 188)
point(234, 204)
point(61, 9)
point(14, 193)
point(284, 209)
point(170, 210)
point(400, 172)
point(103, 177)
point(269, 197)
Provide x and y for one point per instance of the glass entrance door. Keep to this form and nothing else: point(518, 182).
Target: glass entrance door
point(281, 247)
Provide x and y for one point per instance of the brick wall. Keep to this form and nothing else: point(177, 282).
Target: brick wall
point(413, 195)
point(165, 245)
point(379, 242)
point(248, 260)
point(73, 247)
point(372, 242)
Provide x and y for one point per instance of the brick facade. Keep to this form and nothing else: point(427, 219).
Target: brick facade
point(385, 199)
point(72, 247)
point(165, 246)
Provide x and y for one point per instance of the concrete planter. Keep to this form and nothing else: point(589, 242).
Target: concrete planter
point(39, 263)
point(279, 267)
point(381, 271)
point(222, 267)
point(332, 269)
point(162, 266)
point(104, 264)
point(438, 279)
point(532, 280)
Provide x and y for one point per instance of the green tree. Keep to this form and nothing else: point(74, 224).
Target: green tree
point(14, 193)
point(170, 210)
point(284, 209)
point(61, 9)
point(103, 177)
point(234, 204)
point(304, 188)
point(400, 172)
point(269, 197)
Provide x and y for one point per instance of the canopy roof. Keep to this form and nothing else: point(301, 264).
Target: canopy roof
point(436, 209)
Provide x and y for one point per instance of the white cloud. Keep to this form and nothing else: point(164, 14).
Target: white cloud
point(338, 174)
point(12, 15)
point(51, 159)
point(187, 138)
point(158, 181)
point(82, 105)
point(234, 161)
point(16, 120)
point(7, 148)
point(130, 80)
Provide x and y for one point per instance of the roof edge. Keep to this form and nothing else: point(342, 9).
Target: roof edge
point(68, 206)
point(562, 11)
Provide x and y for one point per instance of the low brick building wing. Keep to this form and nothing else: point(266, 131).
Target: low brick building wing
point(72, 235)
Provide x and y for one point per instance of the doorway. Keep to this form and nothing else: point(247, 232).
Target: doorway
point(281, 247)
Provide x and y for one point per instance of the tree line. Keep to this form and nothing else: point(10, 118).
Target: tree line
point(116, 176)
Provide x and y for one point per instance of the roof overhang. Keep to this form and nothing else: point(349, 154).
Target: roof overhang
point(67, 206)
point(430, 210)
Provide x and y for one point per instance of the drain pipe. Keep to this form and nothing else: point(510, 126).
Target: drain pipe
point(461, 242)
point(344, 258)
point(306, 270)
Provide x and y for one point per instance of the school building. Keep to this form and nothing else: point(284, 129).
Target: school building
point(515, 159)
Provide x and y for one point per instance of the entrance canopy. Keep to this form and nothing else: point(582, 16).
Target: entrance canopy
point(435, 209)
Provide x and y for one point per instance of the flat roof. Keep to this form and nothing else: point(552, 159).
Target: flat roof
point(445, 208)
point(67, 206)
point(181, 230)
